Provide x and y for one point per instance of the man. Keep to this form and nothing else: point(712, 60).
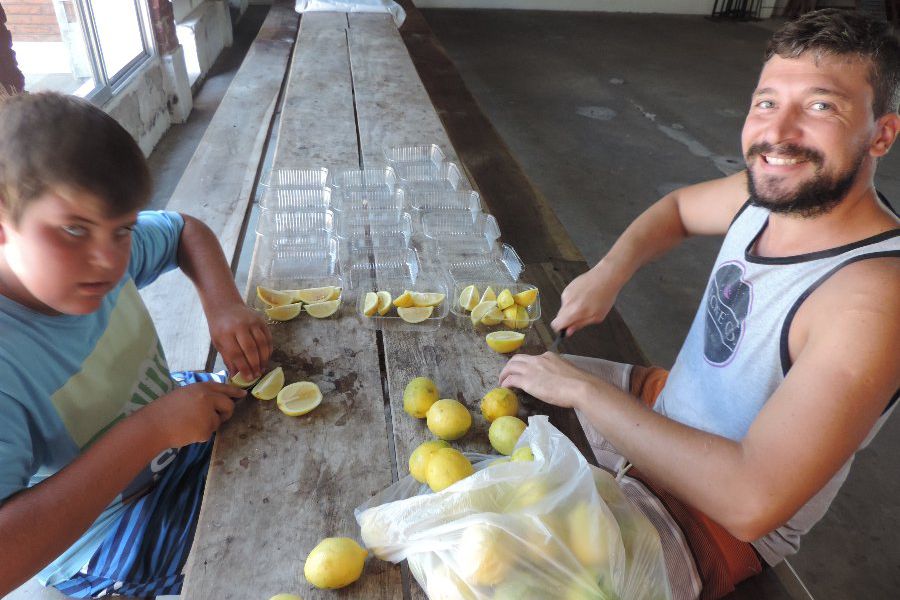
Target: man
point(791, 364)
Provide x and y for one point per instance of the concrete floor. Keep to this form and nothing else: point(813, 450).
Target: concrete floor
point(607, 112)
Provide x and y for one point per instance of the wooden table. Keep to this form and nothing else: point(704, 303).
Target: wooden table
point(277, 485)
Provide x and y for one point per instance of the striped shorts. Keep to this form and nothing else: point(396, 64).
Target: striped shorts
point(144, 555)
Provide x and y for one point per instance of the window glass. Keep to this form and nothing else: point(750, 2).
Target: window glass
point(119, 34)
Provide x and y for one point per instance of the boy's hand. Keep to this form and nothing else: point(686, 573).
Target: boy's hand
point(241, 336)
point(191, 414)
point(586, 300)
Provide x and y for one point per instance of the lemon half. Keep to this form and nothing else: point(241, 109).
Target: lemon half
point(299, 398)
point(269, 386)
point(487, 309)
point(505, 341)
point(320, 310)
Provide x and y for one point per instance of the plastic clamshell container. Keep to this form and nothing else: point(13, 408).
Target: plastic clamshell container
point(533, 311)
point(301, 283)
point(378, 198)
point(298, 178)
point(460, 245)
point(357, 180)
point(503, 265)
point(301, 261)
point(445, 177)
point(293, 226)
point(396, 286)
point(384, 263)
point(368, 223)
point(296, 199)
point(443, 200)
point(438, 225)
point(412, 154)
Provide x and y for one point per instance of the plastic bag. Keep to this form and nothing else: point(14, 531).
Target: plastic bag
point(348, 6)
point(552, 528)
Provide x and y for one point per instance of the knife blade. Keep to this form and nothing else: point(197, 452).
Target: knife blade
point(554, 347)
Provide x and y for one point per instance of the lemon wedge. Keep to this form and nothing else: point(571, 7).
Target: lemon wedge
point(285, 312)
point(505, 299)
point(505, 341)
point(335, 293)
point(239, 381)
point(269, 386)
point(468, 298)
point(404, 300)
point(493, 316)
point(370, 304)
point(299, 398)
point(483, 308)
point(415, 314)
point(320, 310)
point(317, 294)
point(526, 298)
point(384, 302)
point(274, 297)
point(426, 298)
point(489, 294)
point(515, 317)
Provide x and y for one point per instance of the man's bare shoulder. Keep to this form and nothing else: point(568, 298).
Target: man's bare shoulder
point(708, 208)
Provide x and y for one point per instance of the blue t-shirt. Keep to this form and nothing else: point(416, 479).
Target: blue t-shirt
point(65, 380)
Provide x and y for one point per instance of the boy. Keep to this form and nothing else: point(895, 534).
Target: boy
point(102, 455)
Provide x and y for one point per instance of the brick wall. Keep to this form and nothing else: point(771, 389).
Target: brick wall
point(163, 21)
point(31, 20)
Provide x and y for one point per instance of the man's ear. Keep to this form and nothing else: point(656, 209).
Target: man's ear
point(887, 130)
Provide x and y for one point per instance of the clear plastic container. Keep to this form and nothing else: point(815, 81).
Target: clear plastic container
point(378, 198)
point(295, 225)
point(297, 178)
point(416, 153)
point(443, 200)
point(296, 199)
point(357, 180)
point(300, 261)
point(300, 283)
point(367, 223)
point(437, 225)
point(445, 177)
point(533, 311)
point(396, 286)
point(370, 264)
point(501, 265)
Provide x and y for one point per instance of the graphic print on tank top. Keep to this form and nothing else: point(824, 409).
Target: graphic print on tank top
point(727, 306)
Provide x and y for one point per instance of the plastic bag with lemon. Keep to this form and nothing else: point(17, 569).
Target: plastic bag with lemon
point(554, 527)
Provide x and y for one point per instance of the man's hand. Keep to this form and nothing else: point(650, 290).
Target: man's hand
point(191, 414)
point(550, 378)
point(586, 300)
point(241, 336)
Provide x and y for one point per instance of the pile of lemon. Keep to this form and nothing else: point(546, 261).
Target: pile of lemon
point(412, 307)
point(294, 400)
point(491, 309)
point(284, 305)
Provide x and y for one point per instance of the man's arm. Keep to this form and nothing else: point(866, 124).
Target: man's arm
point(845, 370)
point(702, 209)
point(238, 332)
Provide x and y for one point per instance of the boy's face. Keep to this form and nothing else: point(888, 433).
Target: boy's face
point(65, 254)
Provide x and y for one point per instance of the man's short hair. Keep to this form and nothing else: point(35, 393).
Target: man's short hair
point(49, 139)
point(837, 32)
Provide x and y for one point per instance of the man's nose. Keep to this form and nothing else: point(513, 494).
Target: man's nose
point(104, 254)
point(784, 126)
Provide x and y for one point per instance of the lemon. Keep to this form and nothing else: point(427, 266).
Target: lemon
point(485, 554)
point(499, 402)
point(492, 317)
point(448, 419)
point(384, 302)
point(528, 494)
point(523, 454)
point(515, 317)
point(334, 563)
point(526, 298)
point(420, 394)
point(415, 314)
point(274, 297)
point(317, 294)
point(468, 298)
point(239, 380)
point(426, 298)
point(269, 386)
point(587, 537)
point(487, 309)
point(446, 467)
point(321, 310)
point(504, 341)
point(284, 312)
point(504, 433)
point(489, 294)
point(370, 304)
point(505, 299)
point(299, 398)
point(443, 584)
point(285, 597)
point(404, 300)
point(421, 456)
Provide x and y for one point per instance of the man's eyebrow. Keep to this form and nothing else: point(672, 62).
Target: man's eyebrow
point(813, 90)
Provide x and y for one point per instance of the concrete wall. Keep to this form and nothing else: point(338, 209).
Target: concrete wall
point(203, 31)
point(141, 107)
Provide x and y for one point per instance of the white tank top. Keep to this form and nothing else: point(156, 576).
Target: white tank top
point(736, 352)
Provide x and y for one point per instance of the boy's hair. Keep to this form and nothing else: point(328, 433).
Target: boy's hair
point(49, 139)
point(836, 32)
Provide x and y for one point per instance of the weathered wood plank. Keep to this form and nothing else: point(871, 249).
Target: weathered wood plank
point(218, 183)
point(277, 485)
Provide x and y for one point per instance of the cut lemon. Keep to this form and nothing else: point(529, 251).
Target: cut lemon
point(317, 294)
point(384, 302)
point(274, 297)
point(526, 298)
point(483, 308)
point(468, 298)
point(320, 310)
point(426, 298)
point(269, 386)
point(370, 304)
point(299, 398)
point(515, 317)
point(404, 300)
point(238, 380)
point(505, 299)
point(489, 294)
point(415, 314)
point(285, 312)
point(505, 341)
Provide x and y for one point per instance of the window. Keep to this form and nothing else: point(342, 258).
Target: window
point(83, 47)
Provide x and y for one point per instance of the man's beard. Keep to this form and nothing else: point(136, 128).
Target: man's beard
point(818, 196)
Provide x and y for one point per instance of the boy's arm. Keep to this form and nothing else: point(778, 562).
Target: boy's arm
point(702, 209)
point(40, 523)
point(238, 332)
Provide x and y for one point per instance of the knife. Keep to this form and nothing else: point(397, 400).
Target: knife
point(554, 347)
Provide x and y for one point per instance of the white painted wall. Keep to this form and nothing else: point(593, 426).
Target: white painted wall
point(141, 106)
